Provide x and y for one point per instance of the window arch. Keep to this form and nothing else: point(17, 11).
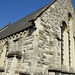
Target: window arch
point(70, 22)
point(69, 16)
point(64, 26)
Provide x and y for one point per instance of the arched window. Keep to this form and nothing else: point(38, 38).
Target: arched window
point(63, 40)
point(3, 53)
point(70, 38)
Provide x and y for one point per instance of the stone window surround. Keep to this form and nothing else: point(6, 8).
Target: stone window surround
point(63, 29)
point(69, 36)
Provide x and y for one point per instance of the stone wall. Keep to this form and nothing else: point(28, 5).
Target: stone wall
point(49, 42)
point(37, 50)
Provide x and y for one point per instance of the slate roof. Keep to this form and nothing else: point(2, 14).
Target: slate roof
point(23, 23)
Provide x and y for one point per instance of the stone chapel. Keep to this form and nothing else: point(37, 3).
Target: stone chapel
point(42, 43)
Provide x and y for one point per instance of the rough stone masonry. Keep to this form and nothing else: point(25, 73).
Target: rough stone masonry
point(42, 43)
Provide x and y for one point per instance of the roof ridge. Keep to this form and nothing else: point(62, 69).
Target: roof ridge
point(23, 23)
point(45, 7)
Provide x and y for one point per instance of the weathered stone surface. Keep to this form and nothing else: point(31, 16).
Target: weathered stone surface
point(64, 69)
point(37, 50)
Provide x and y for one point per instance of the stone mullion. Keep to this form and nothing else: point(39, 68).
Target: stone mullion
point(71, 49)
point(64, 46)
point(67, 51)
point(66, 58)
point(74, 53)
